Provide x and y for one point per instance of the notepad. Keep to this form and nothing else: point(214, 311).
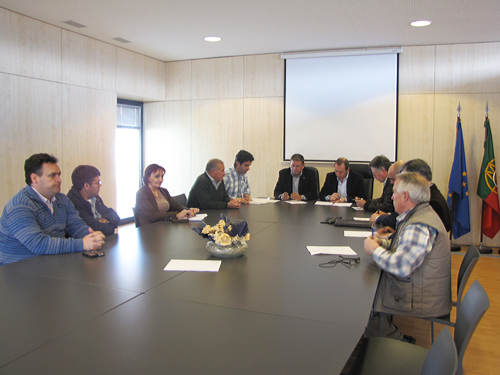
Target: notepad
point(331, 250)
point(193, 265)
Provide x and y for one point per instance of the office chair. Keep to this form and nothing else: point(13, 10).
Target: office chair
point(381, 355)
point(181, 199)
point(316, 173)
point(466, 267)
point(366, 172)
point(136, 219)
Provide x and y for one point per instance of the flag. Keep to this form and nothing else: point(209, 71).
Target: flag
point(458, 188)
point(487, 187)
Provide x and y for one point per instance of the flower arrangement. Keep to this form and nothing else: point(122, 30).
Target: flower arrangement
point(224, 233)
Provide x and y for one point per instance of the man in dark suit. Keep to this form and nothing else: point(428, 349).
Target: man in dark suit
point(343, 185)
point(297, 182)
point(380, 168)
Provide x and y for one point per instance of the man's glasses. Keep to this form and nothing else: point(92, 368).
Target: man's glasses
point(346, 261)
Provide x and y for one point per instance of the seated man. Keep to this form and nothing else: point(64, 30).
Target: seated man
point(437, 202)
point(208, 191)
point(296, 182)
point(415, 260)
point(85, 196)
point(380, 167)
point(343, 185)
point(37, 220)
point(235, 179)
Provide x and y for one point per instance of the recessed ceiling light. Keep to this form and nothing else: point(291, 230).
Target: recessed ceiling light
point(420, 23)
point(212, 39)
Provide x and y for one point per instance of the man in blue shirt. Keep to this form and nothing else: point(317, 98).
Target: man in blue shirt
point(236, 181)
point(37, 220)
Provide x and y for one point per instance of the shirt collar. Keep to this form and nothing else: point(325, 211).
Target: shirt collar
point(44, 200)
point(345, 179)
point(216, 184)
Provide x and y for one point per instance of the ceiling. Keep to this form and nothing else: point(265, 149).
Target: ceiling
point(171, 30)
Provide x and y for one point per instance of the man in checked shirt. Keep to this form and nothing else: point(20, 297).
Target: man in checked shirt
point(236, 181)
point(415, 261)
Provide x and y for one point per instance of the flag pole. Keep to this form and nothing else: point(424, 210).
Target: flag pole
point(452, 246)
point(484, 249)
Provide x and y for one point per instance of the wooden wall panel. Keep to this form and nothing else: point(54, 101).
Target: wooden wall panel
point(29, 47)
point(216, 132)
point(416, 70)
point(220, 78)
point(31, 123)
point(178, 80)
point(264, 76)
point(468, 68)
point(139, 77)
point(416, 127)
point(88, 131)
point(167, 142)
point(88, 62)
point(263, 138)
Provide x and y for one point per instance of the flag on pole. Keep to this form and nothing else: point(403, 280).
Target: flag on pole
point(458, 188)
point(487, 187)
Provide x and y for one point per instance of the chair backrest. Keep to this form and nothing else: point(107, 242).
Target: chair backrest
point(468, 263)
point(470, 312)
point(136, 219)
point(316, 173)
point(442, 358)
point(366, 172)
point(181, 199)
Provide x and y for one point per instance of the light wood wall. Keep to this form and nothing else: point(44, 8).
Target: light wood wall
point(58, 92)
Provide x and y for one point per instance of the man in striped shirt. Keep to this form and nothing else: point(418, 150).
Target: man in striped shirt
point(39, 220)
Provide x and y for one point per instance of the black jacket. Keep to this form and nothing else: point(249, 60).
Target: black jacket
point(307, 184)
point(85, 210)
point(355, 186)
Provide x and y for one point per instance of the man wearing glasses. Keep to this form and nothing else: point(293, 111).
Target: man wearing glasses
point(85, 196)
point(380, 168)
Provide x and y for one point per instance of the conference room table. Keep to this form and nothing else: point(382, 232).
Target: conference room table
point(273, 310)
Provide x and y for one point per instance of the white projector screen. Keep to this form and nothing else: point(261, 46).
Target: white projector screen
point(343, 106)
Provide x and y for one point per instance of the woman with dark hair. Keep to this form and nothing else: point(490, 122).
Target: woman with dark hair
point(154, 203)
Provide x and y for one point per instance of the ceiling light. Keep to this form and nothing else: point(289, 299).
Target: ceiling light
point(420, 23)
point(212, 39)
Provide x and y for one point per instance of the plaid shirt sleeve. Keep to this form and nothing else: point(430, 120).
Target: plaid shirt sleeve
point(231, 183)
point(416, 240)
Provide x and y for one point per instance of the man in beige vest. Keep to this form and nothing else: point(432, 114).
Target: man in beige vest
point(415, 261)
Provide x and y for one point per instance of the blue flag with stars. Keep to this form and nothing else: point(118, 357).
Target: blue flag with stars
point(459, 188)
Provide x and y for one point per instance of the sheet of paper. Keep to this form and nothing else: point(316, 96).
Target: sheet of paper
point(193, 265)
point(323, 203)
point(332, 250)
point(357, 208)
point(198, 217)
point(291, 201)
point(352, 233)
point(342, 204)
point(262, 201)
point(361, 218)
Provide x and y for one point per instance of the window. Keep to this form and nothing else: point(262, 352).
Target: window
point(128, 155)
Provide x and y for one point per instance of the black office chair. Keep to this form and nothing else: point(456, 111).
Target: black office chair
point(181, 199)
point(377, 354)
point(366, 172)
point(466, 267)
point(469, 314)
point(136, 219)
point(381, 355)
point(316, 173)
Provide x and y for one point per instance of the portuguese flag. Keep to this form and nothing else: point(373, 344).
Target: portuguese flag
point(487, 187)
